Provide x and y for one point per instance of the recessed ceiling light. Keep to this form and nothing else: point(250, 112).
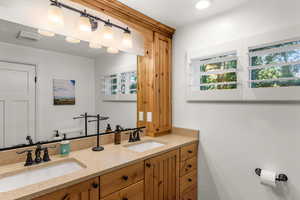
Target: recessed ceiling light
point(203, 4)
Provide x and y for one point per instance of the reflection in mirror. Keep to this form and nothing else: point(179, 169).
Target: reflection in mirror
point(47, 84)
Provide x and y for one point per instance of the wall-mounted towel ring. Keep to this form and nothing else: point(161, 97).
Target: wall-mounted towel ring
point(280, 177)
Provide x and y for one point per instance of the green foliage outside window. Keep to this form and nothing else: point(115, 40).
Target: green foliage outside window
point(133, 83)
point(218, 78)
point(276, 72)
point(113, 88)
point(218, 87)
point(219, 66)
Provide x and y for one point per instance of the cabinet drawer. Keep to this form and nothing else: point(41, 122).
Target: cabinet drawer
point(188, 181)
point(121, 178)
point(188, 151)
point(188, 166)
point(134, 192)
point(190, 195)
point(88, 190)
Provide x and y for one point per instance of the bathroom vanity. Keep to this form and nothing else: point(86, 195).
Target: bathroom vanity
point(119, 173)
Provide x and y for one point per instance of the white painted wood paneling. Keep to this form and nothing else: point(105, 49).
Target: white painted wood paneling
point(17, 90)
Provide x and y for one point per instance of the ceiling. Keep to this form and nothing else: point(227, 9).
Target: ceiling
point(9, 32)
point(176, 13)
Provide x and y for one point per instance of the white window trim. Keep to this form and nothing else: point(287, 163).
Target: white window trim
point(279, 93)
point(117, 97)
point(244, 92)
point(195, 94)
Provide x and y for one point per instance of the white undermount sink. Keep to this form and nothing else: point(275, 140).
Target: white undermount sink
point(38, 174)
point(144, 146)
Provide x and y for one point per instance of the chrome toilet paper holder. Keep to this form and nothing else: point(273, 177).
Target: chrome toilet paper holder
point(280, 177)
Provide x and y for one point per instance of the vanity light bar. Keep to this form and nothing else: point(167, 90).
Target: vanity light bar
point(90, 16)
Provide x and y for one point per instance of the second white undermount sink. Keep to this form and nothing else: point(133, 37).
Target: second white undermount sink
point(145, 146)
point(38, 174)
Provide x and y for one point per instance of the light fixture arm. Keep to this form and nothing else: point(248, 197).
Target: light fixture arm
point(84, 13)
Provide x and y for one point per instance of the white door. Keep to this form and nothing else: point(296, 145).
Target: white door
point(17, 103)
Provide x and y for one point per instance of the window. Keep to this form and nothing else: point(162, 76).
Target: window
point(120, 86)
point(111, 85)
point(218, 73)
point(128, 82)
point(276, 65)
point(263, 67)
point(133, 83)
point(214, 75)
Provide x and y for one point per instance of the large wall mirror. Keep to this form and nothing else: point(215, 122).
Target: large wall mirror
point(46, 82)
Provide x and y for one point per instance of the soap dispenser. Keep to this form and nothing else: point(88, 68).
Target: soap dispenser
point(118, 134)
point(108, 128)
point(57, 136)
point(65, 147)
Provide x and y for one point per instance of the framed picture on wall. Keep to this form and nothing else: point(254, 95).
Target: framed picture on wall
point(63, 92)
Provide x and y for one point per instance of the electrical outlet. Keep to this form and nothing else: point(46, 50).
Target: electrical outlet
point(149, 116)
point(141, 116)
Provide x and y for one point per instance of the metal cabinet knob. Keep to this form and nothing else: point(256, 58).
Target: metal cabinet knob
point(66, 197)
point(95, 185)
point(125, 178)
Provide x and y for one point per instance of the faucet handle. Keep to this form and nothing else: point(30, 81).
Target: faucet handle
point(25, 151)
point(131, 139)
point(29, 160)
point(46, 157)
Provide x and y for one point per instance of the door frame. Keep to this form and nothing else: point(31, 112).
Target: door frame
point(35, 93)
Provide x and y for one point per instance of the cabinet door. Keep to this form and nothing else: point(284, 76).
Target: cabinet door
point(162, 177)
point(145, 85)
point(162, 85)
point(88, 190)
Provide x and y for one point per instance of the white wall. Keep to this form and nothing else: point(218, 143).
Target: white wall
point(53, 65)
point(123, 113)
point(238, 137)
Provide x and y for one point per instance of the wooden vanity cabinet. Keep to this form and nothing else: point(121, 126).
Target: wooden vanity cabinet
point(87, 190)
point(162, 84)
point(188, 172)
point(154, 85)
point(168, 176)
point(162, 177)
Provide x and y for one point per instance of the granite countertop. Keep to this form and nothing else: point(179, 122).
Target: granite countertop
point(96, 164)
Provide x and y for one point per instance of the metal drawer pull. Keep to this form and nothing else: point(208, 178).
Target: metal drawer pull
point(125, 198)
point(125, 178)
point(190, 151)
point(66, 197)
point(189, 166)
point(148, 165)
